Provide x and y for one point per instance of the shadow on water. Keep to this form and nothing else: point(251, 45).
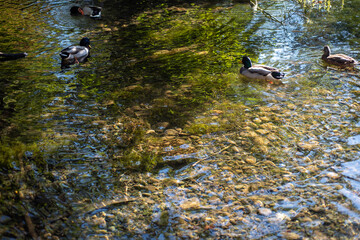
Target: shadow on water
point(161, 91)
point(57, 119)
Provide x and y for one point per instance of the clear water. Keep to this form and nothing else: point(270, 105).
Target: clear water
point(71, 114)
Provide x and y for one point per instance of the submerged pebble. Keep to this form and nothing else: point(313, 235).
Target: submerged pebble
point(250, 160)
point(192, 203)
point(291, 236)
point(332, 175)
point(264, 211)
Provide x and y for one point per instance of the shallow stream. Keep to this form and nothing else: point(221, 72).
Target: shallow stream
point(158, 136)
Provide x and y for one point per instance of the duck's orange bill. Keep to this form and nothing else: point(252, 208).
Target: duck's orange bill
point(81, 11)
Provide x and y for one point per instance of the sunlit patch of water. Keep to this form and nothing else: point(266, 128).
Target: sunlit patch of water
point(354, 140)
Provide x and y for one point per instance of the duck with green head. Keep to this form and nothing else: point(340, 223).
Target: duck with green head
point(75, 54)
point(260, 71)
point(338, 59)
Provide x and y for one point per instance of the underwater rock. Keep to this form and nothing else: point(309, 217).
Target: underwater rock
point(164, 218)
point(171, 132)
point(332, 175)
point(149, 132)
point(250, 160)
point(100, 221)
point(214, 200)
point(264, 211)
point(235, 149)
point(192, 203)
point(308, 146)
point(291, 235)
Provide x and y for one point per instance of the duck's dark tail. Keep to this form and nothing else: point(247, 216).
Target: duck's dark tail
point(11, 56)
point(96, 12)
point(277, 75)
point(64, 55)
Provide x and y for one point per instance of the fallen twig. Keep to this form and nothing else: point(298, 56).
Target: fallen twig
point(30, 226)
point(256, 6)
point(213, 154)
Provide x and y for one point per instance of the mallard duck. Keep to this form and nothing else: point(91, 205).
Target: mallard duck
point(11, 56)
point(75, 54)
point(337, 59)
point(260, 71)
point(92, 11)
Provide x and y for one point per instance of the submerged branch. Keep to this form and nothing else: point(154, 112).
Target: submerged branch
point(213, 154)
point(31, 226)
point(255, 5)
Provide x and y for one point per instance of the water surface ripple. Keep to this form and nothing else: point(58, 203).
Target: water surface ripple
point(282, 160)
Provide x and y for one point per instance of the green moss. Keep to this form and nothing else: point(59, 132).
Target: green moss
point(139, 161)
point(201, 128)
point(12, 152)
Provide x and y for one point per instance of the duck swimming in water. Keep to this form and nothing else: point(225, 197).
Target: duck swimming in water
point(75, 54)
point(338, 59)
point(260, 71)
point(12, 56)
point(92, 11)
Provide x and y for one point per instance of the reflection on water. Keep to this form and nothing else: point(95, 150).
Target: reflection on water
point(165, 83)
point(355, 140)
point(351, 172)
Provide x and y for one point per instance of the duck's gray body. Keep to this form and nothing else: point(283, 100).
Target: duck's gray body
point(75, 54)
point(337, 59)
point(262, 72)
point(92, 11)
